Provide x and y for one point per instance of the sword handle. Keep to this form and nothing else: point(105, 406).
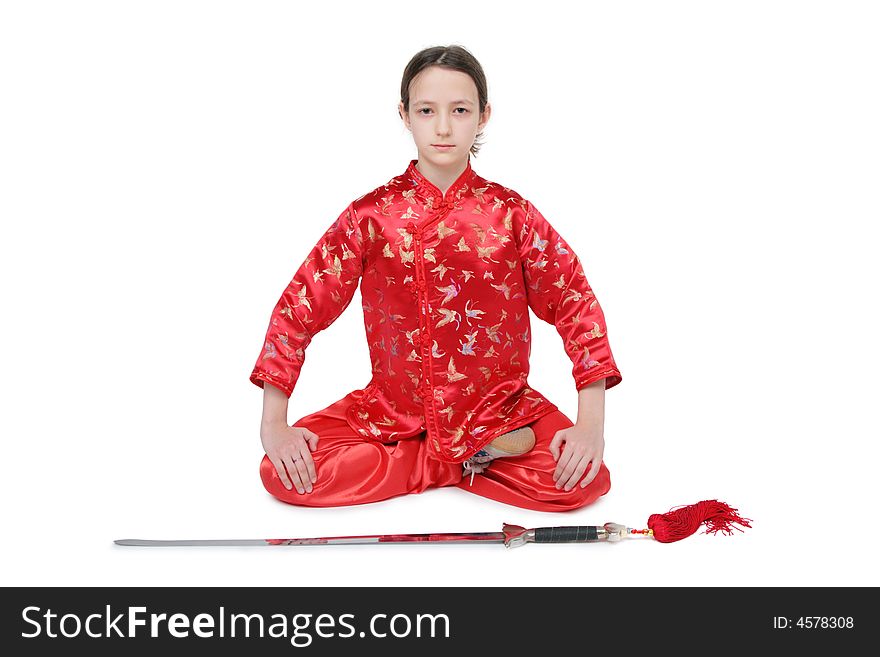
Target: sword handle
point(515, 536)
point(576, 534)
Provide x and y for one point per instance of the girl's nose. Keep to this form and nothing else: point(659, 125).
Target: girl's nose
point(443, 125)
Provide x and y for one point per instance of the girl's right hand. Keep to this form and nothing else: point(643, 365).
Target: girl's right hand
point(289, 449)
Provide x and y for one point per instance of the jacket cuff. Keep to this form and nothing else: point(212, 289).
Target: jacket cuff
point(612, 378)
point(259, 376)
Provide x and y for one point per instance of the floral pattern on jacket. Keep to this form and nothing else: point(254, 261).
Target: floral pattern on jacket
point(446, 286)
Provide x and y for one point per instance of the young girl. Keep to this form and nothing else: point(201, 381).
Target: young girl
point(449, 264)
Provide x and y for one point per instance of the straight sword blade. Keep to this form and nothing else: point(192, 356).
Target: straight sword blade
point(460, 537)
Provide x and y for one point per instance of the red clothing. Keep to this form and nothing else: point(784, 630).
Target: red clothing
point(355, 470)
point(446, 283)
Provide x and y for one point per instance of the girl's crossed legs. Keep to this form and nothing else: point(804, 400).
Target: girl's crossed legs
point(354, 470)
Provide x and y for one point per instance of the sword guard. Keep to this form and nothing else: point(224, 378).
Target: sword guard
point(515, 536)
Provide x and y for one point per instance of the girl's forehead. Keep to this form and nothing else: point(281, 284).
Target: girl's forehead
point(437, 84)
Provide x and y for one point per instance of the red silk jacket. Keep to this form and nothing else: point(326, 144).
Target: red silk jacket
point(446, 284)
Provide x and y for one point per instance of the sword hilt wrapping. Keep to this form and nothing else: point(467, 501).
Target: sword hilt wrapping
point(579, 534)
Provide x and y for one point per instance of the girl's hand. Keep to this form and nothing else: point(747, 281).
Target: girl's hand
point(289, 449)
point(584, 444)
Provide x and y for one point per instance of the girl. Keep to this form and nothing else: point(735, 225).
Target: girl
point(449, 264)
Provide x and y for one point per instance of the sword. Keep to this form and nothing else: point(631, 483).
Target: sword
point(674, 525)
point(510, 535)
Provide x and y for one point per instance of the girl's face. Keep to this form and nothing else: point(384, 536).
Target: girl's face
point(444, 109)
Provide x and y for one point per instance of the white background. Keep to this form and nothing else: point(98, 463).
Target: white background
point(167, 166)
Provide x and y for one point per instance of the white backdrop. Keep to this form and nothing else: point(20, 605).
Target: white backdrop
point(167, 166)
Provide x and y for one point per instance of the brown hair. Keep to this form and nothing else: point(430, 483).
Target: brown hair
point(455, 58)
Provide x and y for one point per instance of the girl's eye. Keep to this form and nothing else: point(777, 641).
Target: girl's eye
point(428, 109)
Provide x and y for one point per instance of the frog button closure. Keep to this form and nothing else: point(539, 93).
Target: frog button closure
point(413, 230)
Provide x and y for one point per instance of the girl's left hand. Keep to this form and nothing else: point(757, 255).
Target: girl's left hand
point(584, 445)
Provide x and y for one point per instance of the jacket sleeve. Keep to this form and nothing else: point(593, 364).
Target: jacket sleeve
point(558, 292)
point(319, 292)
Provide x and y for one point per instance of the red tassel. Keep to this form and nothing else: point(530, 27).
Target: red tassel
point(681, 522)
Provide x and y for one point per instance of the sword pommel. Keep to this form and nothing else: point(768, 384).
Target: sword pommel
point(614, 532)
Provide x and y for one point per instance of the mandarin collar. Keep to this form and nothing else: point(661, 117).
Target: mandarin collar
point(427, 189)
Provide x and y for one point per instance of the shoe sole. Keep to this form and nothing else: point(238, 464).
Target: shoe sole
point(513, 443)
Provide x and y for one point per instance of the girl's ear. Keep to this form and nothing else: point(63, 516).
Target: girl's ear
point(403, 116)
point(484, 119)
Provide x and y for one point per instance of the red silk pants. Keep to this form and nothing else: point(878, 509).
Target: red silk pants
point(354, 470)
